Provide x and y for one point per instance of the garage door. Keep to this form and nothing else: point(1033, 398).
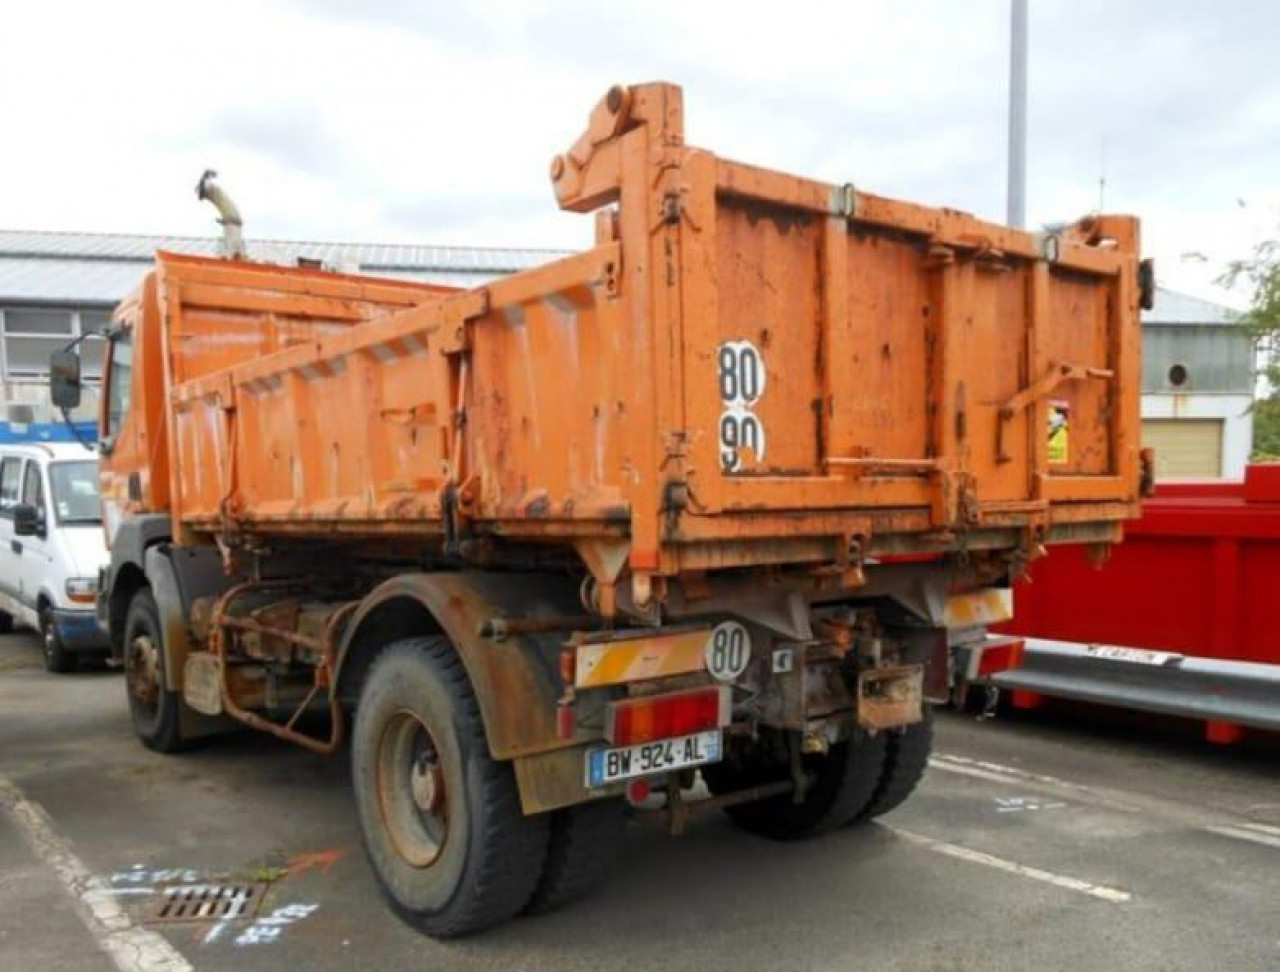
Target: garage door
point(1185, 448)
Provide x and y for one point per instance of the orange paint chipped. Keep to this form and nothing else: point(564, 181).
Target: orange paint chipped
point(748, 368)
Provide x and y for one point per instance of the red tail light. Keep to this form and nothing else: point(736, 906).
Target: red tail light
point(566, 722)
point(633, 721)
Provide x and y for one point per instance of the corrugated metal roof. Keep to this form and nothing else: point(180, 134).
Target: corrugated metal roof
point(1175, 308)
point(100, 268)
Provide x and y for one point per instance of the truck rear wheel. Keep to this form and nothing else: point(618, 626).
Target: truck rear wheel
point(842, 782)
point(155, 709)
point(441, 819)
point(584, 846)
point(905, 759)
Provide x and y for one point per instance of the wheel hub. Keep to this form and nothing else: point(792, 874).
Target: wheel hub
point(426, 784)
point(412, 791)
point(143, 669)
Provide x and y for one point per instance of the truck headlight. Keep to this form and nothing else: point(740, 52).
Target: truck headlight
point(83, 589)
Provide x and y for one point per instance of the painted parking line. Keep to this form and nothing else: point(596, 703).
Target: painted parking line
point(1100, 891)
point(131, 948)
point(986, 770)
point(1257, 833)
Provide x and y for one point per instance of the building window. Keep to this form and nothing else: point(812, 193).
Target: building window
point(93, 348)
point(31, 334)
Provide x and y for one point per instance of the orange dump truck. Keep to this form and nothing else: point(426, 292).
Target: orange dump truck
point(730, 494)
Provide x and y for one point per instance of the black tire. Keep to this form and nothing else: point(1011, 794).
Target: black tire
point(441, 819)
point(842, 783)
point(6, 622)
point(585, 842)
point(906, 758)
point(56, 657)
point(156, 711)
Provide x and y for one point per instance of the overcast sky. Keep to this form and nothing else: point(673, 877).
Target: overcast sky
point(402, 121)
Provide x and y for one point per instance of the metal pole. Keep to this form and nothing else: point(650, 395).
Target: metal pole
point(1017, 214)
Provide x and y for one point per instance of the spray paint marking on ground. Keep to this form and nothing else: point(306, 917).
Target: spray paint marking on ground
point(131, 948)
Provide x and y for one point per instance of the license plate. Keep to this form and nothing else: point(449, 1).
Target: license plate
point(660, 756)
point(1136, 656)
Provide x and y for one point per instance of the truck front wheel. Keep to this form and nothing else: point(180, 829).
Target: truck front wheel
point(441, 819)
point(155, 709)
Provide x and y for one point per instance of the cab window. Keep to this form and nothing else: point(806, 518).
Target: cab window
point(10, 482)
point(33, 486)
point(119, 380)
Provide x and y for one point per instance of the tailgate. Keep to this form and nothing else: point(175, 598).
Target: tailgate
point(844, 350)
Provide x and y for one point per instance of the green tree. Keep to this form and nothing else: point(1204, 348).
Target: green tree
point(1259, 274)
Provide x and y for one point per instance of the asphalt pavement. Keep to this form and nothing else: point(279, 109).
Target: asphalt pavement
point(1034, 843)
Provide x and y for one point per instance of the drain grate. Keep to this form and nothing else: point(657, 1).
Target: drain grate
point(206, 902)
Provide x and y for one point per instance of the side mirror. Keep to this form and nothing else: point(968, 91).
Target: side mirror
point(64, 378)
point(28, 520)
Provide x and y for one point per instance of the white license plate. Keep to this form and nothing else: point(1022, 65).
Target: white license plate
point(660, 756)
point(1136, 656)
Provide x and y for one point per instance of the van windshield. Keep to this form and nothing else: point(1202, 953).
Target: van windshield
point(75, 492)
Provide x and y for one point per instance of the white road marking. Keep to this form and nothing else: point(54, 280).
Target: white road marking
point(131, 948)
point(1019, 804)
point(984, 770)
point(1114, 895)
point(1247, 832)
point(1262, 828)
point(999, 773)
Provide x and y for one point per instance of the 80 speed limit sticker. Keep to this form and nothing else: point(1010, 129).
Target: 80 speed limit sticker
point(727, 651)
point(741, 375)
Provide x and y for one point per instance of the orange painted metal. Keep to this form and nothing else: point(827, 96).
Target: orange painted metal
point(748, 368)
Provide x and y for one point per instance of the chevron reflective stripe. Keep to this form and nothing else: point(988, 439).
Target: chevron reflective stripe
point(618, 662)
point(988, 606)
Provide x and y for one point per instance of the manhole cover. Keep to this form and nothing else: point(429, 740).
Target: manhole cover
point(206, 902)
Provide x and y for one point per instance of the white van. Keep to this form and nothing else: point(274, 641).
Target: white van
point(51, 547)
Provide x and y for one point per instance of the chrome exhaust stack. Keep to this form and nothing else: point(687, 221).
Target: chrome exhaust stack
point(228, 215)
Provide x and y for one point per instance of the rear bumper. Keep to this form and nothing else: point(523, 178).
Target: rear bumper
point(79, 630)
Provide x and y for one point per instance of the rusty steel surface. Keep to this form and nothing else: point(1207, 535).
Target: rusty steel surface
point(748, 368)
point(516, 680)
point(223, 622)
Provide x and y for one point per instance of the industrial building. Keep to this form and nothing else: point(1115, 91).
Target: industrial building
point(55, 287)
point(1198, 378)
point(1197, 381)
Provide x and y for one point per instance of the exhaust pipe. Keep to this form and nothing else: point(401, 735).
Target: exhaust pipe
point(228, 215)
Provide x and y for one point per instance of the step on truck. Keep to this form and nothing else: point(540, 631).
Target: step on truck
point(720, 504)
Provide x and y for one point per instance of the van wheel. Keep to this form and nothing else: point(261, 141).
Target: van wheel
point(585, 842)
point(56, 657)
point(906, 757)
point(842, 782)
point(154, 708)
point(6, 622)
point(441, 819)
